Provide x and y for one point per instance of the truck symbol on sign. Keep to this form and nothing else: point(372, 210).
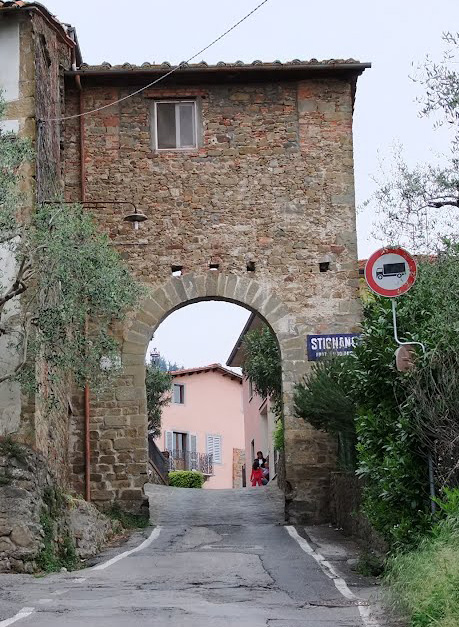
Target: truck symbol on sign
point(391, 269)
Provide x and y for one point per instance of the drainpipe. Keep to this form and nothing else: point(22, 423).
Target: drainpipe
point(87, 413)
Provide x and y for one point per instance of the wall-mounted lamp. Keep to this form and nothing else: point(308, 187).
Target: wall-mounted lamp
point(135, 218)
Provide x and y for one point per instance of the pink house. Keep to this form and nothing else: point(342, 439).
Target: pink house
point(203, 426)
point(259, 420)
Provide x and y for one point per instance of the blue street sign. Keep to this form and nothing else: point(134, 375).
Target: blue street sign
point(335, 344)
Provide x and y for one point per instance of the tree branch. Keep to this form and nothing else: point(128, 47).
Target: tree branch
point(22, 363)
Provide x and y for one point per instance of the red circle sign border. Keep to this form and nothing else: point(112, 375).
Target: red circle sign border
point(380, 290)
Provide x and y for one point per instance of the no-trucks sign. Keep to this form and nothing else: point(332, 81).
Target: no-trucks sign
point(390, 272)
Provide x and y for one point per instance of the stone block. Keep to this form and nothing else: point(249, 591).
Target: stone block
point(129, 393)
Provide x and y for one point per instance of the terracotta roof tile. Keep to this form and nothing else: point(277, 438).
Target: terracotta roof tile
point(166, 65)
point(212, 367)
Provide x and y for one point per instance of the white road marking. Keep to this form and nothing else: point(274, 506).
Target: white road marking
point(340, 584)
point(153, 536)
point(26, 611)
point(56, 593)
point(79, 579)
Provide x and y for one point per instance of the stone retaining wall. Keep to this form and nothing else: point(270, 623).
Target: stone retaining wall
point(346, 500)
point(27, 493)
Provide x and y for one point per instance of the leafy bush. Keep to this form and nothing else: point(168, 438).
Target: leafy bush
point(278, 435)
point(186, 479)
point(424, 583)
point(323, 400)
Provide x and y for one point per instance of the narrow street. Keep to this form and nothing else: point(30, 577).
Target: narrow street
point(219, 558)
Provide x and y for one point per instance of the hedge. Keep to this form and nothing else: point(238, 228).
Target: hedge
point(186, 479)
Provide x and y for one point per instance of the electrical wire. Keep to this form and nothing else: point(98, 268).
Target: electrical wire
point(161, 78)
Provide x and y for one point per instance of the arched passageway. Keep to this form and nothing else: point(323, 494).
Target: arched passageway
point(120, 453)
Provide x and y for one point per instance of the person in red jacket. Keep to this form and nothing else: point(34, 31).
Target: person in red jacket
point(257, 474)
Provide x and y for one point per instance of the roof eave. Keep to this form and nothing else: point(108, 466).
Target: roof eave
point(306, 70)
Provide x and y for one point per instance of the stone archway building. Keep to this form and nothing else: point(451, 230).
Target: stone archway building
point(259, 211)
point(245, 175)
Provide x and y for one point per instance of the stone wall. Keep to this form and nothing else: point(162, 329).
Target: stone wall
point(238, 463)
point(43, 56)
point(272, 184)
point(345, 509)
point(26, 490)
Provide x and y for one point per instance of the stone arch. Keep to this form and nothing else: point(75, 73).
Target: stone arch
point(306, 450)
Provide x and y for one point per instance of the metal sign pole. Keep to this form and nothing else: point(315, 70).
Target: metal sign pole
point(394, 318)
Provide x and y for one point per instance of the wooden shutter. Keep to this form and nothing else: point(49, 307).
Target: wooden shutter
point(168, 441)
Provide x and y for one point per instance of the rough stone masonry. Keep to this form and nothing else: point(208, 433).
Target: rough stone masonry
point(260, 213)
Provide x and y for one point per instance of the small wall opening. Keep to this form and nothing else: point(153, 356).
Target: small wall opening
point(324, 266)
point(176, 270)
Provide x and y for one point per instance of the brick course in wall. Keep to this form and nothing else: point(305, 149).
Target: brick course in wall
point(271, 183)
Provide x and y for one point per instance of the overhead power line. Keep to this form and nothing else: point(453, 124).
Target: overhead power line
point(161, 78)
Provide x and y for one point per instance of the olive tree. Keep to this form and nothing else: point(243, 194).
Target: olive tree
point(62, 284)
point(419, 206)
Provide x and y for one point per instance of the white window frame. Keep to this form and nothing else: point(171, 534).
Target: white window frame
point(215, 435)
point(182, 385)
point(177, 125)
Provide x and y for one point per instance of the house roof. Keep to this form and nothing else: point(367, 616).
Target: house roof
point(236, 357)
point(210, 368)
point(224, 71)
point(66, 32)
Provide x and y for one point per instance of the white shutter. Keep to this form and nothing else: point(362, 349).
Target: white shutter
point(168, 440)
point(193, 451)
point(217, 449)
point(214, 448)
point(193, 443)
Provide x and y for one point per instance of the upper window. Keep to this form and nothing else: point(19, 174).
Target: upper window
point(175, 125)
point(178, 394)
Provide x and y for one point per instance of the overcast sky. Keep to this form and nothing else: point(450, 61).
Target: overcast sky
point(395, 35)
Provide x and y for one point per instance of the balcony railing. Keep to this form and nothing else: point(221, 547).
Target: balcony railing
point(188, 460)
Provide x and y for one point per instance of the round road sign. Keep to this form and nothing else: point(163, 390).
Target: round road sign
point(390, 272)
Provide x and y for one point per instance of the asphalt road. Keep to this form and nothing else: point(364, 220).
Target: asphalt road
point(221, 559)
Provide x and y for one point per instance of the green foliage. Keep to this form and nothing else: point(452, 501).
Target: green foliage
point(13, 450)
point(263, 366)
point(163, 364)
point(370, 565)
point(389, 456)
point(424, 583)
point(58, 549)
point(323, 400)
point(262, 362)
point(128, 520)
point(80, 277)
point(279, 435)
point(67, 273)
point(158, 384)
point(186, 479)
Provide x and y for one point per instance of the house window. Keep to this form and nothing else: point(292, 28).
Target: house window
point(214, 447)
point(250, 389)
point(178, 394)
point(175, 125)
